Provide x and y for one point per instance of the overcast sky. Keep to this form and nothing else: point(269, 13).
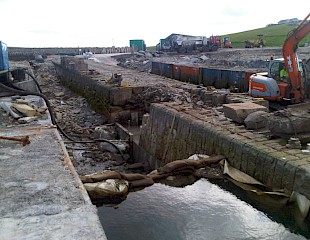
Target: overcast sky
point(102, 23)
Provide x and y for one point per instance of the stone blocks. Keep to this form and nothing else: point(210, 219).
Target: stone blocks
point(239, 111)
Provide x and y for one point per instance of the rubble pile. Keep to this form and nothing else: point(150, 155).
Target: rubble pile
point(140, 61)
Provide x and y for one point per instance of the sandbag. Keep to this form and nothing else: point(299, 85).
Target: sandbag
point(86, 179)
point(157, 177)
point(170, 167)
point(210, 160)
point(132, 176)
point(185, 168)
point(104, 175)
point(182, 172)
point(146, 182)
point(110, 188)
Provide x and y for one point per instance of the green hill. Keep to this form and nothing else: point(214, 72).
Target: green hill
point(274, 35)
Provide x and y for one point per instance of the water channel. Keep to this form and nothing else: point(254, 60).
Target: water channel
point(199, 211)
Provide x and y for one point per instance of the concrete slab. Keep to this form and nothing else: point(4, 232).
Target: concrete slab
point(239, 111)
point(42, 196)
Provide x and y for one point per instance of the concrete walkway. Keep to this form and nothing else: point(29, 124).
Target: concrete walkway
point(41, 196)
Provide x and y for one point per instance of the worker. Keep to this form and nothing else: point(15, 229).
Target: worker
point(283, 74)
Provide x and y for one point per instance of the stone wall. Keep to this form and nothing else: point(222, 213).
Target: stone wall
point(171, 134)
point(115, 102)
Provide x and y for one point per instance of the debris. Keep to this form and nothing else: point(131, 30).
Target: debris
point(25, 109)
point(27, 119)
point(24, 140)
point(7, 107)
point(59, 94)
point(110, 188)
point(107, 147)
point(294, 143)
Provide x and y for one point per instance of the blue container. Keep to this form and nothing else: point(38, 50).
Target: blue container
point(210, 76)
point(167, 70)
point(156, 68)
point(236, 80)
point(4, 58)
point(222, 82)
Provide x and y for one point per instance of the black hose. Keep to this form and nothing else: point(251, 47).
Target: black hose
point(25, 93)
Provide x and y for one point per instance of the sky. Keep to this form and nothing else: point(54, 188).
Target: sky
point(104, 23)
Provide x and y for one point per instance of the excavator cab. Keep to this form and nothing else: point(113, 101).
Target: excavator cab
point(275, 68)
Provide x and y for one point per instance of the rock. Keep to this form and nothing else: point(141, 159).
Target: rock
point(27, 119)
point(222, 118)
point(203, 57)
point(293, 143)
point(104, 132)
point(7, 107)
point(256, 120)
point(88, 124)
point(107, 147)
point(288, 123)
point(25, 109)
point(76, 111)
point(218, 99)
point(58, 116)
point(200, 103)
point(59, 94)
point(239, 111)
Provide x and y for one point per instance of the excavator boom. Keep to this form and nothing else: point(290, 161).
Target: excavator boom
point(289, 53)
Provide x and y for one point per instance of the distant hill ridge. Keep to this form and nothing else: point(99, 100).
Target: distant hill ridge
point(274, 35)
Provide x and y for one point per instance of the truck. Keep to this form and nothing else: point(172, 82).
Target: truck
point(287, 88)
point(186, 44)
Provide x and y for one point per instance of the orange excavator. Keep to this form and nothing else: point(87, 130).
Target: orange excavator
point(291, 86)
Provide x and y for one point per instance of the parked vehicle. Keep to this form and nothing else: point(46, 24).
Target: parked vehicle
point(186, 44)
point(258, 43)
point(226, 42)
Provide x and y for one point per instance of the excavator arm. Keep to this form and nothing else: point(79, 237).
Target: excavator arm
point(289, 53)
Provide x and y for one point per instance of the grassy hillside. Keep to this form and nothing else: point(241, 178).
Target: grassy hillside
point(273, 35)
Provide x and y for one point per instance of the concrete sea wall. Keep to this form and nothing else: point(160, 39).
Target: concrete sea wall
point(172, 134)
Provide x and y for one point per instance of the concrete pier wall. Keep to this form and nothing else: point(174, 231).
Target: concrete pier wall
point(172, 134)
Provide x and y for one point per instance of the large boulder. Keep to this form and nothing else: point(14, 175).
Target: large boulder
point(289, 122)
point(256, 120)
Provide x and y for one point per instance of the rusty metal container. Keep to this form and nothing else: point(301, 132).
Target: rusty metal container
point(190, 74)
point(176, 72)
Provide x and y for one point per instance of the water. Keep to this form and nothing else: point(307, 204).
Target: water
point(196, 212)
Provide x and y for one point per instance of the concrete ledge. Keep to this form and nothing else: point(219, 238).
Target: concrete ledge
point(41, 196)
